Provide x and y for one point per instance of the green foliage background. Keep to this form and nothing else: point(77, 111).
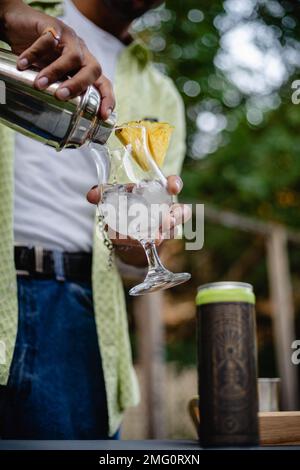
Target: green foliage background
point(254, 168)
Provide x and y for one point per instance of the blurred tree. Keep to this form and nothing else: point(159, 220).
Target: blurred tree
point(234, 62)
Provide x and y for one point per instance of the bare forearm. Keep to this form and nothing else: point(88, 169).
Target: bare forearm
point(9, 9)
point(6, 6)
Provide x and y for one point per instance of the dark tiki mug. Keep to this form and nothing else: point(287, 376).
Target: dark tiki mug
point(227, 364)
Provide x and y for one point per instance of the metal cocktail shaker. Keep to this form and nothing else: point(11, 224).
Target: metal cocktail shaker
point(38, 114)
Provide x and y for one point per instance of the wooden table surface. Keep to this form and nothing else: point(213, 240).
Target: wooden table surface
point(279, 428)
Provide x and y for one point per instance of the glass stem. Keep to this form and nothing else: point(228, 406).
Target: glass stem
point(152, 256)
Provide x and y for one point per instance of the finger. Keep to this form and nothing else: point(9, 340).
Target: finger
point(43, 47)
point(70, 61)
point(160, 238)
point(179, 214)
point(93, 196)
point(129, 187)
point(107, 96)
point(175, 184)
point(78, 84)
point(172, 233)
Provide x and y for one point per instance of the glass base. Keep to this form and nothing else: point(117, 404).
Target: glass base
point(159, 280)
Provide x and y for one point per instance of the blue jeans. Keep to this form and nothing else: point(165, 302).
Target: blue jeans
point(56, 386)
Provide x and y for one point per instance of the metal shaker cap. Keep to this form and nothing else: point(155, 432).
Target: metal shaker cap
point(103, 129)
point(86, 124)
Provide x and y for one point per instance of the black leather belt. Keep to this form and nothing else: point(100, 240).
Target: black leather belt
point(45, 264)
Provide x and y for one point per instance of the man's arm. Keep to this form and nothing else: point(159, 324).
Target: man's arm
point(23, 28)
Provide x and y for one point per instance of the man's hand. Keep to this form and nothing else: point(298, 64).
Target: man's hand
point(179, 213)
point(23, 29)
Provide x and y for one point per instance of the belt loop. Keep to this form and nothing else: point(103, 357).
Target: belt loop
point(38, 259)
point(59, 269)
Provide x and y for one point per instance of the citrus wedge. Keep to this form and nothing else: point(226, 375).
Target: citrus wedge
point(157, 136)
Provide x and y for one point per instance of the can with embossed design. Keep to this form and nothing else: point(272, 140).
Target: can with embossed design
point(227, 364)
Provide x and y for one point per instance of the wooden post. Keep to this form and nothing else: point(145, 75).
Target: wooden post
point(147, 311)
point(283, 314)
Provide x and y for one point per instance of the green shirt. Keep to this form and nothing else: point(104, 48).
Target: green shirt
point(141, 91)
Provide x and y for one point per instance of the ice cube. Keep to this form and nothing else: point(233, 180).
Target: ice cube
point(137, 213)
point(153, 191)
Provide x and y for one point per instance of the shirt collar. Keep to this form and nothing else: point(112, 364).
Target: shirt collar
point(140, 51)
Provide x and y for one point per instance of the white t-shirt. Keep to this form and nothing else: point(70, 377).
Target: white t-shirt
point(51, 209)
